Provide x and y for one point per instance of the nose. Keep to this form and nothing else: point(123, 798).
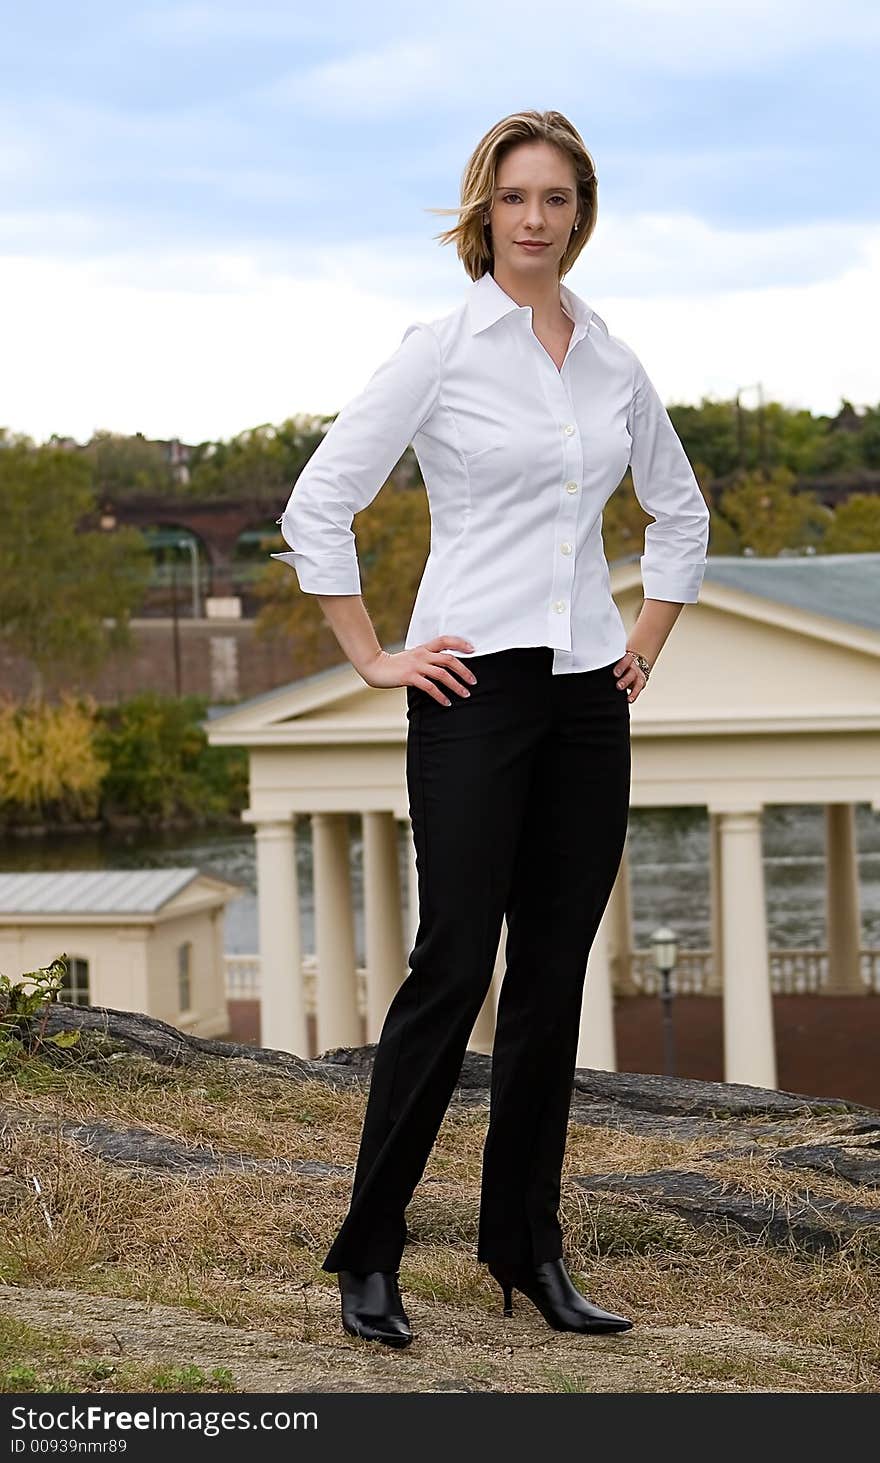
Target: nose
point(534, 218)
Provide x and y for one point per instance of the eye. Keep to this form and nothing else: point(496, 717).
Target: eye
point(555, 198)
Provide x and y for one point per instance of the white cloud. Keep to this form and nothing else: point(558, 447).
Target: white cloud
point(83, 349)
point(686, 36)
point(373, 83)
point(652, 254)
point(17, 157)
point(196, 23)
point(51, 230)
point(203, 344)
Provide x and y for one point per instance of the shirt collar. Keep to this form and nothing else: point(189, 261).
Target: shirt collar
point(487, 302)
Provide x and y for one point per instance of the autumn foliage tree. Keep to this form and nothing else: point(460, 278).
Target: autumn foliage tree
point(392, 537)
point(66, 593)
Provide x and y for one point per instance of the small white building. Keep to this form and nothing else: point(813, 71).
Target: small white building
point(145, 940)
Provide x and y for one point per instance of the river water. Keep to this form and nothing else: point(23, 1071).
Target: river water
point(668, 851)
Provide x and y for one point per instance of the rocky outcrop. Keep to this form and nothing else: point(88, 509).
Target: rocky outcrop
point(793, 1131)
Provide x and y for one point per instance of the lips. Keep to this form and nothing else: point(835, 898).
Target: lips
point(533, 245)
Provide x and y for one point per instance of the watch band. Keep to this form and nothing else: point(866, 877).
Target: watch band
point(642, 664)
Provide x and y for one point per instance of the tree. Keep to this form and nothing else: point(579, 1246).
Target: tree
point(766, 516)
point(855, 528)
point(65, 595)
point(127, 467)
point(392, 537)
point(709, 434)
point(262, 462)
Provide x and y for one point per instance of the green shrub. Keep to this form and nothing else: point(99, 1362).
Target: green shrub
point(20, 1008)
point(160, 764)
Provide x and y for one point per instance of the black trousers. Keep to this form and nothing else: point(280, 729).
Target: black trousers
point(519, 800)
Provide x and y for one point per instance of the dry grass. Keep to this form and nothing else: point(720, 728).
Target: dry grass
point(714, 1310)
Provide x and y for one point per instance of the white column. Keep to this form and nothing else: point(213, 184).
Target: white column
point(749, 1046)
point(596, 1045)
point(715, 982)
point(412, 887)
point(282, 1000)
point(842, 914)
point(620, 931)
point(482, 1035)
point(217, 988)
point(383, 922)
point(336, 999)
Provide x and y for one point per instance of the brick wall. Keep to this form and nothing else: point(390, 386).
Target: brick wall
point(221, 659)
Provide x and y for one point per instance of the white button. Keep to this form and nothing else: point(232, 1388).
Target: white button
point(566, 548)
point(568, 429)
point(559, 606)
point(571, 487)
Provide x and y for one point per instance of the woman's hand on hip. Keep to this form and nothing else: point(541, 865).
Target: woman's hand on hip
point(630, 677)
point(423, 666)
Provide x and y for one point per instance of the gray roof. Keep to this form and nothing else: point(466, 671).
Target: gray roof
point(842, 586)
point(100, 891)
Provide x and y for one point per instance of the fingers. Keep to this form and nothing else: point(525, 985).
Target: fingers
point(634, 686)
point(630, 678)
point(452, 663)
point(443, 671)
point(442, 642)
point(424, 684)
point(440, 673)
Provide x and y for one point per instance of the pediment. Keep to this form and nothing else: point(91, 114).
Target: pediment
point(337, 696)
point(742, 657)
point(739, 656)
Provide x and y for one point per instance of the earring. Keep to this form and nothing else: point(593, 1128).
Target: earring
point(577, 226)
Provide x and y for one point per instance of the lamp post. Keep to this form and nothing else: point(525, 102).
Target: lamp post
point(192, 547)
point(665, 949)
point(762, 433)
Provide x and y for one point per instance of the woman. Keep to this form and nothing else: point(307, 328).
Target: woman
point(524, 413)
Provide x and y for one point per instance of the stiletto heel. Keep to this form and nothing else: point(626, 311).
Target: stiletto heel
point(506, 1284)
point(550, 1288)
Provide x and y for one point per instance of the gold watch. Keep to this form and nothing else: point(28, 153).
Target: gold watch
point(642, 664)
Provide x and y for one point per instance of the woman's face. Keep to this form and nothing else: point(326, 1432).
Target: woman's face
point(535, 200)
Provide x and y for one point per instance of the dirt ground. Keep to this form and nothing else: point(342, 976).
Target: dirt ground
point(518, 1354)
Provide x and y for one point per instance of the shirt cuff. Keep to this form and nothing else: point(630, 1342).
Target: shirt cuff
point(329, 576)
point(682, 587)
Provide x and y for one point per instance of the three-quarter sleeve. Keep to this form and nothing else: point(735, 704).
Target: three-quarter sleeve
point(674, 560)
point(352, 462)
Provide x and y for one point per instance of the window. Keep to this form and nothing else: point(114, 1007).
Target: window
point(184, 973)
point(75, 986)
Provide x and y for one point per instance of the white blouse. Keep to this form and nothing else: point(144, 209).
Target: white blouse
point(518, 459)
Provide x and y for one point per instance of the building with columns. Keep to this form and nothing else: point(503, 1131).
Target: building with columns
point(767, 691)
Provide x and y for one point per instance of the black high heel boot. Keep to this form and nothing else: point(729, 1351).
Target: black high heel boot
point(549, 1287)
point(372, 1307)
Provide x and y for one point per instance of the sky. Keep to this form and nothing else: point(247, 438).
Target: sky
point(216, 215)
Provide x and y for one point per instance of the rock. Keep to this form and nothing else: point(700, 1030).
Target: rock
point(787, 1129)
point(814, 1222)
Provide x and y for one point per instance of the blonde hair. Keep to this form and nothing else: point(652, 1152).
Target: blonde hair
point(471, 236)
